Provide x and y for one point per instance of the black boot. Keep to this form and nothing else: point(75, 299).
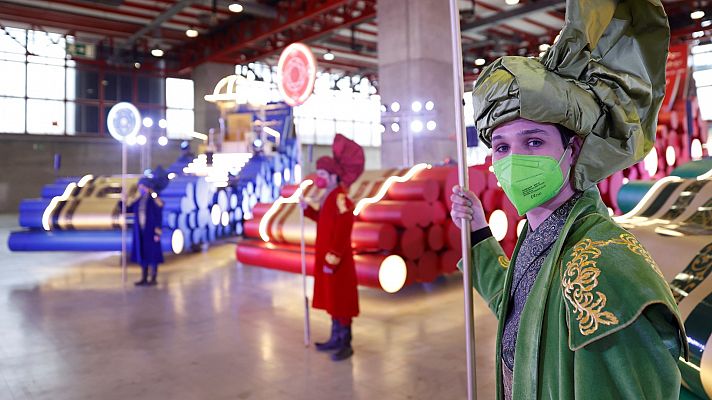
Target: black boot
point(333, 342)
point(154, 273)
point(144, 275)
point(345, 350)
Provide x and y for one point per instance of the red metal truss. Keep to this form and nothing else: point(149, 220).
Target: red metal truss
point(74, 22)
point(303, 21)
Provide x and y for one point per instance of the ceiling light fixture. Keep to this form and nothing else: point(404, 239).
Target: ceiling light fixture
point(697, 14)
point(480, 62)
point(191, 32)
point(235, 7)
point(157, 52)
point(328, 56)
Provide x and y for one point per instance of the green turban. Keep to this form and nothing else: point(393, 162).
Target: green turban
point(604, 79)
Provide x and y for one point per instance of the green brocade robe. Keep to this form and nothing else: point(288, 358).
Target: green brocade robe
point(600, 321)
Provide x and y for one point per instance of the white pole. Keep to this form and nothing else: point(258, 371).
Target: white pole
point(307, 327)
point(123, 211)
point(307, 324)
point(463, 181)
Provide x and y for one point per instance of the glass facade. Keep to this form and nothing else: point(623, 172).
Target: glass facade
point(45, 92)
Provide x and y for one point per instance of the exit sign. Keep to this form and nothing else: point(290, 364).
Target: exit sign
point(83, 50)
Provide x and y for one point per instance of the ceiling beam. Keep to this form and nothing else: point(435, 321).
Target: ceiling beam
point(159, 20)
point(296, 22)
point(519, 12)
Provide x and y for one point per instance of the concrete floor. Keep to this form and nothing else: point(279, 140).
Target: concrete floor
point(214, 329)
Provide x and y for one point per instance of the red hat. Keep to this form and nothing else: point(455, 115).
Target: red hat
point(348, 161)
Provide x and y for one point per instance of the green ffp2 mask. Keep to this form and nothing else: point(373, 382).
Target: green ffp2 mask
point(529, 181)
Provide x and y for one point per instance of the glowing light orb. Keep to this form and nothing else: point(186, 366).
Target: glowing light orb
point(696, 149)
point(392, 274)
point(499, 224)
point(670, 156)
point(215, 214)
point(650, 162)
point(177, 241)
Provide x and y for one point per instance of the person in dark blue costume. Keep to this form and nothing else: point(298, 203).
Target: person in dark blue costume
point(146, 244)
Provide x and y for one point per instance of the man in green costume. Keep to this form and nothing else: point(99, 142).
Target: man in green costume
point(583, 309)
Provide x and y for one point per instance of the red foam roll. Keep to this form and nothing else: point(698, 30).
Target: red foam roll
point(615, 182)
point(428, 190)
point(288, 259)
point(412, 243)
point(492, 200)
point(288, 190)
point(399, 213)
point(671, 119)
point(371, 235)
point(436, 237)
point(427, 267)
point(260, 209)
point(478, 182)
point(439, 213)
point(439, 173)
point(452, 236)
point(252, 228)
point(449, 260)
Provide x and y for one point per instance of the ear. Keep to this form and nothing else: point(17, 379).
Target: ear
point(576, 144)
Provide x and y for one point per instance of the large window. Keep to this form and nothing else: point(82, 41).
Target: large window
point(43, 91)
point(339, 104)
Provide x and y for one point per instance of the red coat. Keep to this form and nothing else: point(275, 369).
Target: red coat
point(335, 293)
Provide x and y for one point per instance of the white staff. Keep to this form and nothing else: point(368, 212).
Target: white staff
point(307, 333)
point(463, 181)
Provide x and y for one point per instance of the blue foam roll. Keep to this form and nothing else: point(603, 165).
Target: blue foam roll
point(53, 189)
point(179, 187)
point(30, 205)
point(172, 204)
point(170, 219)
point(66, 241)
point(193, 220)
point(67, 179)
point(31, 219)
point(78, 241)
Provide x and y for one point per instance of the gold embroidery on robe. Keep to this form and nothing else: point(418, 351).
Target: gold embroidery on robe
point(579, 281)
point(332, 259)
point(503, 261)
point(341, 203)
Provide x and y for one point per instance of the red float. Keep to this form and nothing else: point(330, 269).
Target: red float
point(427, 267)
point(374, 236)
point(412, 243)
point(414, 190)
point(436, 237)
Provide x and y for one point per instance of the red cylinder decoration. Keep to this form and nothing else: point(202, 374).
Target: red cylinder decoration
point(412, 243)
point(452, 236)
point(288, 258)
point(492, 200)
point(260, 209)
point(288, 190)
point(414, 190)
point(436, 237)
point(478, 180)
point(615, 183)
point(439, 213)
point(252, 228)
point(427, 267)
point(448, 261)
point(399, 213)
point(374, 236)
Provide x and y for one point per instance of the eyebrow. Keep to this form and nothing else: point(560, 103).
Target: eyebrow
point(524, 133)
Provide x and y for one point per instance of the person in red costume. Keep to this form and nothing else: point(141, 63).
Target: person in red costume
point(334, 270)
